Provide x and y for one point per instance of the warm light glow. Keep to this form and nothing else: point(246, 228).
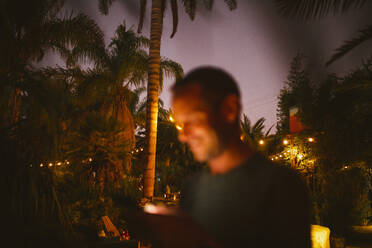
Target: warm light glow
point(90, 159)
point(285, 142)
point(272, 159)
point(41, 165)
point(50, 164)
point(179, 127)
point(280, 155)
point(150, 208)
point(141, 149)
point(261, 142)
point(320, 236)
point(171, 118)
point(300, 156)
point(310, 139)
point(241, 137)
point(59, 163)
point(67, 162)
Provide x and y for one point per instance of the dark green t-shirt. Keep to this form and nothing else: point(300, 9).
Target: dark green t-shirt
point(258, 204)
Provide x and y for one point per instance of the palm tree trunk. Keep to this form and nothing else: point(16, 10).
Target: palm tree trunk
point(14, 107)
point(153, 95)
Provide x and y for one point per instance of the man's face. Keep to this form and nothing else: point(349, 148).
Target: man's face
point(195, 119)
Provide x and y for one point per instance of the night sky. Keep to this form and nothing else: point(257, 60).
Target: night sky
point(253, 43)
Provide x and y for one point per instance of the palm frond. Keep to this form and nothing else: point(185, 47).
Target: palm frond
point(104, 5)
point(363, 35)
point(174, 8)
point(258, 126)
point(190, 8)
point(171, 69)
point(315, 9)
point(143, 4)
point(232, 4)
point(54, 7)
point(268, 131)
point(80, 33)
point(208, 4)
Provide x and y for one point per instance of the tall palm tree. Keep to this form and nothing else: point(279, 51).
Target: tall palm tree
point(157, 13)
point(307, 10)
point(107, 90)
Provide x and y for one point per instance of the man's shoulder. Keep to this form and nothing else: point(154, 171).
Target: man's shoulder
point(261, 165)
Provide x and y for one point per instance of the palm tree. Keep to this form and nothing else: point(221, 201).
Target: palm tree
point(33, 29)
point(307, 10)
point(107, 91)
point(253, 133)
point(157, 13)
point(33, 106)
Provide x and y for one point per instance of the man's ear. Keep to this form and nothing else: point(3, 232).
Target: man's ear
point(230, 108)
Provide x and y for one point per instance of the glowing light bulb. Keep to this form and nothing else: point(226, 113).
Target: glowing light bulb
point(285, 142)
point(261, 142)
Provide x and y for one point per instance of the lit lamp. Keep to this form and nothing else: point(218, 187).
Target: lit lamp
point(310, 139)
point(285, 142)
point(261, 142)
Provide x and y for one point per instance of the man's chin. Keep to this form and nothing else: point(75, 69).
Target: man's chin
point(199, 157)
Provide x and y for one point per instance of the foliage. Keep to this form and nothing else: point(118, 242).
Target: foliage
point(98, 148)
point(337, 164)
point(308, 10)
point(342, 116)
point(252, 134)
point(298, 91)
point(190, 7)
point(341, 199)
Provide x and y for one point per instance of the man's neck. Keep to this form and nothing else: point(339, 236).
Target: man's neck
point(233, 156)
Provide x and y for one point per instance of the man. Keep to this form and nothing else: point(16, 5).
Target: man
point(243, 200)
